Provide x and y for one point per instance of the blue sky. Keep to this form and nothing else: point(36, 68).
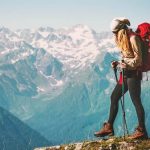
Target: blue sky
point(97, 14)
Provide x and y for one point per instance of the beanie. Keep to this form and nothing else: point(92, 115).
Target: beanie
point(119, 23)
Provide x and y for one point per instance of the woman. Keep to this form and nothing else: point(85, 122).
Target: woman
point(130, 47)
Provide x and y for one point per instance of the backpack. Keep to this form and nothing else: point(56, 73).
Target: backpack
point(143, 31)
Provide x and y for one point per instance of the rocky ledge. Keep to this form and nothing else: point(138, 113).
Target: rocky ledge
point(110, 144)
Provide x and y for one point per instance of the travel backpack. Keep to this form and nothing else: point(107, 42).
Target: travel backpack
point(143, 31)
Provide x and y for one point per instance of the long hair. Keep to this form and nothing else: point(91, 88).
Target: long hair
point(122, 40)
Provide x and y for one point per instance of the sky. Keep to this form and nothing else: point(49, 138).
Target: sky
point(97, 14)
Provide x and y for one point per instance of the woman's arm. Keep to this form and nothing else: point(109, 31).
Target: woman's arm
point(133, 63)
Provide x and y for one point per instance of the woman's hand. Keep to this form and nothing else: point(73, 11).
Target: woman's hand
point(123, 65)
point(114, 64)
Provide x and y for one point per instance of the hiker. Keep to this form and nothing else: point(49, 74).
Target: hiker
point(129, 44)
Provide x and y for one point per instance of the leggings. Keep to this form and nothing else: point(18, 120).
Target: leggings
point(134, 87)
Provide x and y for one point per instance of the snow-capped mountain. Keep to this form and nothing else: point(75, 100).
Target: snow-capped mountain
point(69, 50)
point(75, 47)
point(59, 81)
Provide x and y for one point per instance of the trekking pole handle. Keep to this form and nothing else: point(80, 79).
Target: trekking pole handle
point(114, 64)
point(123, 65)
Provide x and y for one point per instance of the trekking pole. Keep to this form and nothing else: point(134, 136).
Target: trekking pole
point(122, 104)
point(125, 128)
point(115, 71)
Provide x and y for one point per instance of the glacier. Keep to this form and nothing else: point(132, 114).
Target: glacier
point(59, 81)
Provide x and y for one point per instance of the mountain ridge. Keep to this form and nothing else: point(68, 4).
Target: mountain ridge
point(17, 135)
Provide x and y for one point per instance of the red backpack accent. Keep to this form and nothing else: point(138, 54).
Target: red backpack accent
point(143, 30)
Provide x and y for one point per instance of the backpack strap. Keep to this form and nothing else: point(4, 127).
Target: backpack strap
point(130, 34)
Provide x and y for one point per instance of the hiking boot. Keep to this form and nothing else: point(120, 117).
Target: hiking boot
point(107, 130)
point(139, 133)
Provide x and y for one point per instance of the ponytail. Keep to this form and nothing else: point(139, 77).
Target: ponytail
point(122, 40)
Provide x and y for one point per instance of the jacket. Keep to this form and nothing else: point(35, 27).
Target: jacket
point(133, 58)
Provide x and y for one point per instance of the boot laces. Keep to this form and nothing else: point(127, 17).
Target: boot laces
point(105, 124)
point(138, 129)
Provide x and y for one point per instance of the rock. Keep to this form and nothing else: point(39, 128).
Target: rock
point(110, 144)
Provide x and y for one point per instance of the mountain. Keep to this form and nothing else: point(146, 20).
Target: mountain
point(59, 81)
point(14, 134)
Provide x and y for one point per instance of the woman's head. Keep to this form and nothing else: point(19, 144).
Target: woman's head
point(119, 23)
point(119, 26)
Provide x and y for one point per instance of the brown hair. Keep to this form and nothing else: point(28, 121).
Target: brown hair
point(122, 40)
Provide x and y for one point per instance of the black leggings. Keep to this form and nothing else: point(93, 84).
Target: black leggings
point(134, 87)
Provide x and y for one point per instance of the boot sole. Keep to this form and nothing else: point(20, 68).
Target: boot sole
point(106, 134)
point(138, 138)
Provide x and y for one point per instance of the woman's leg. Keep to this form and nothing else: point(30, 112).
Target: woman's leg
point(134, 86)
point(107, 128)
point(115, 97)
